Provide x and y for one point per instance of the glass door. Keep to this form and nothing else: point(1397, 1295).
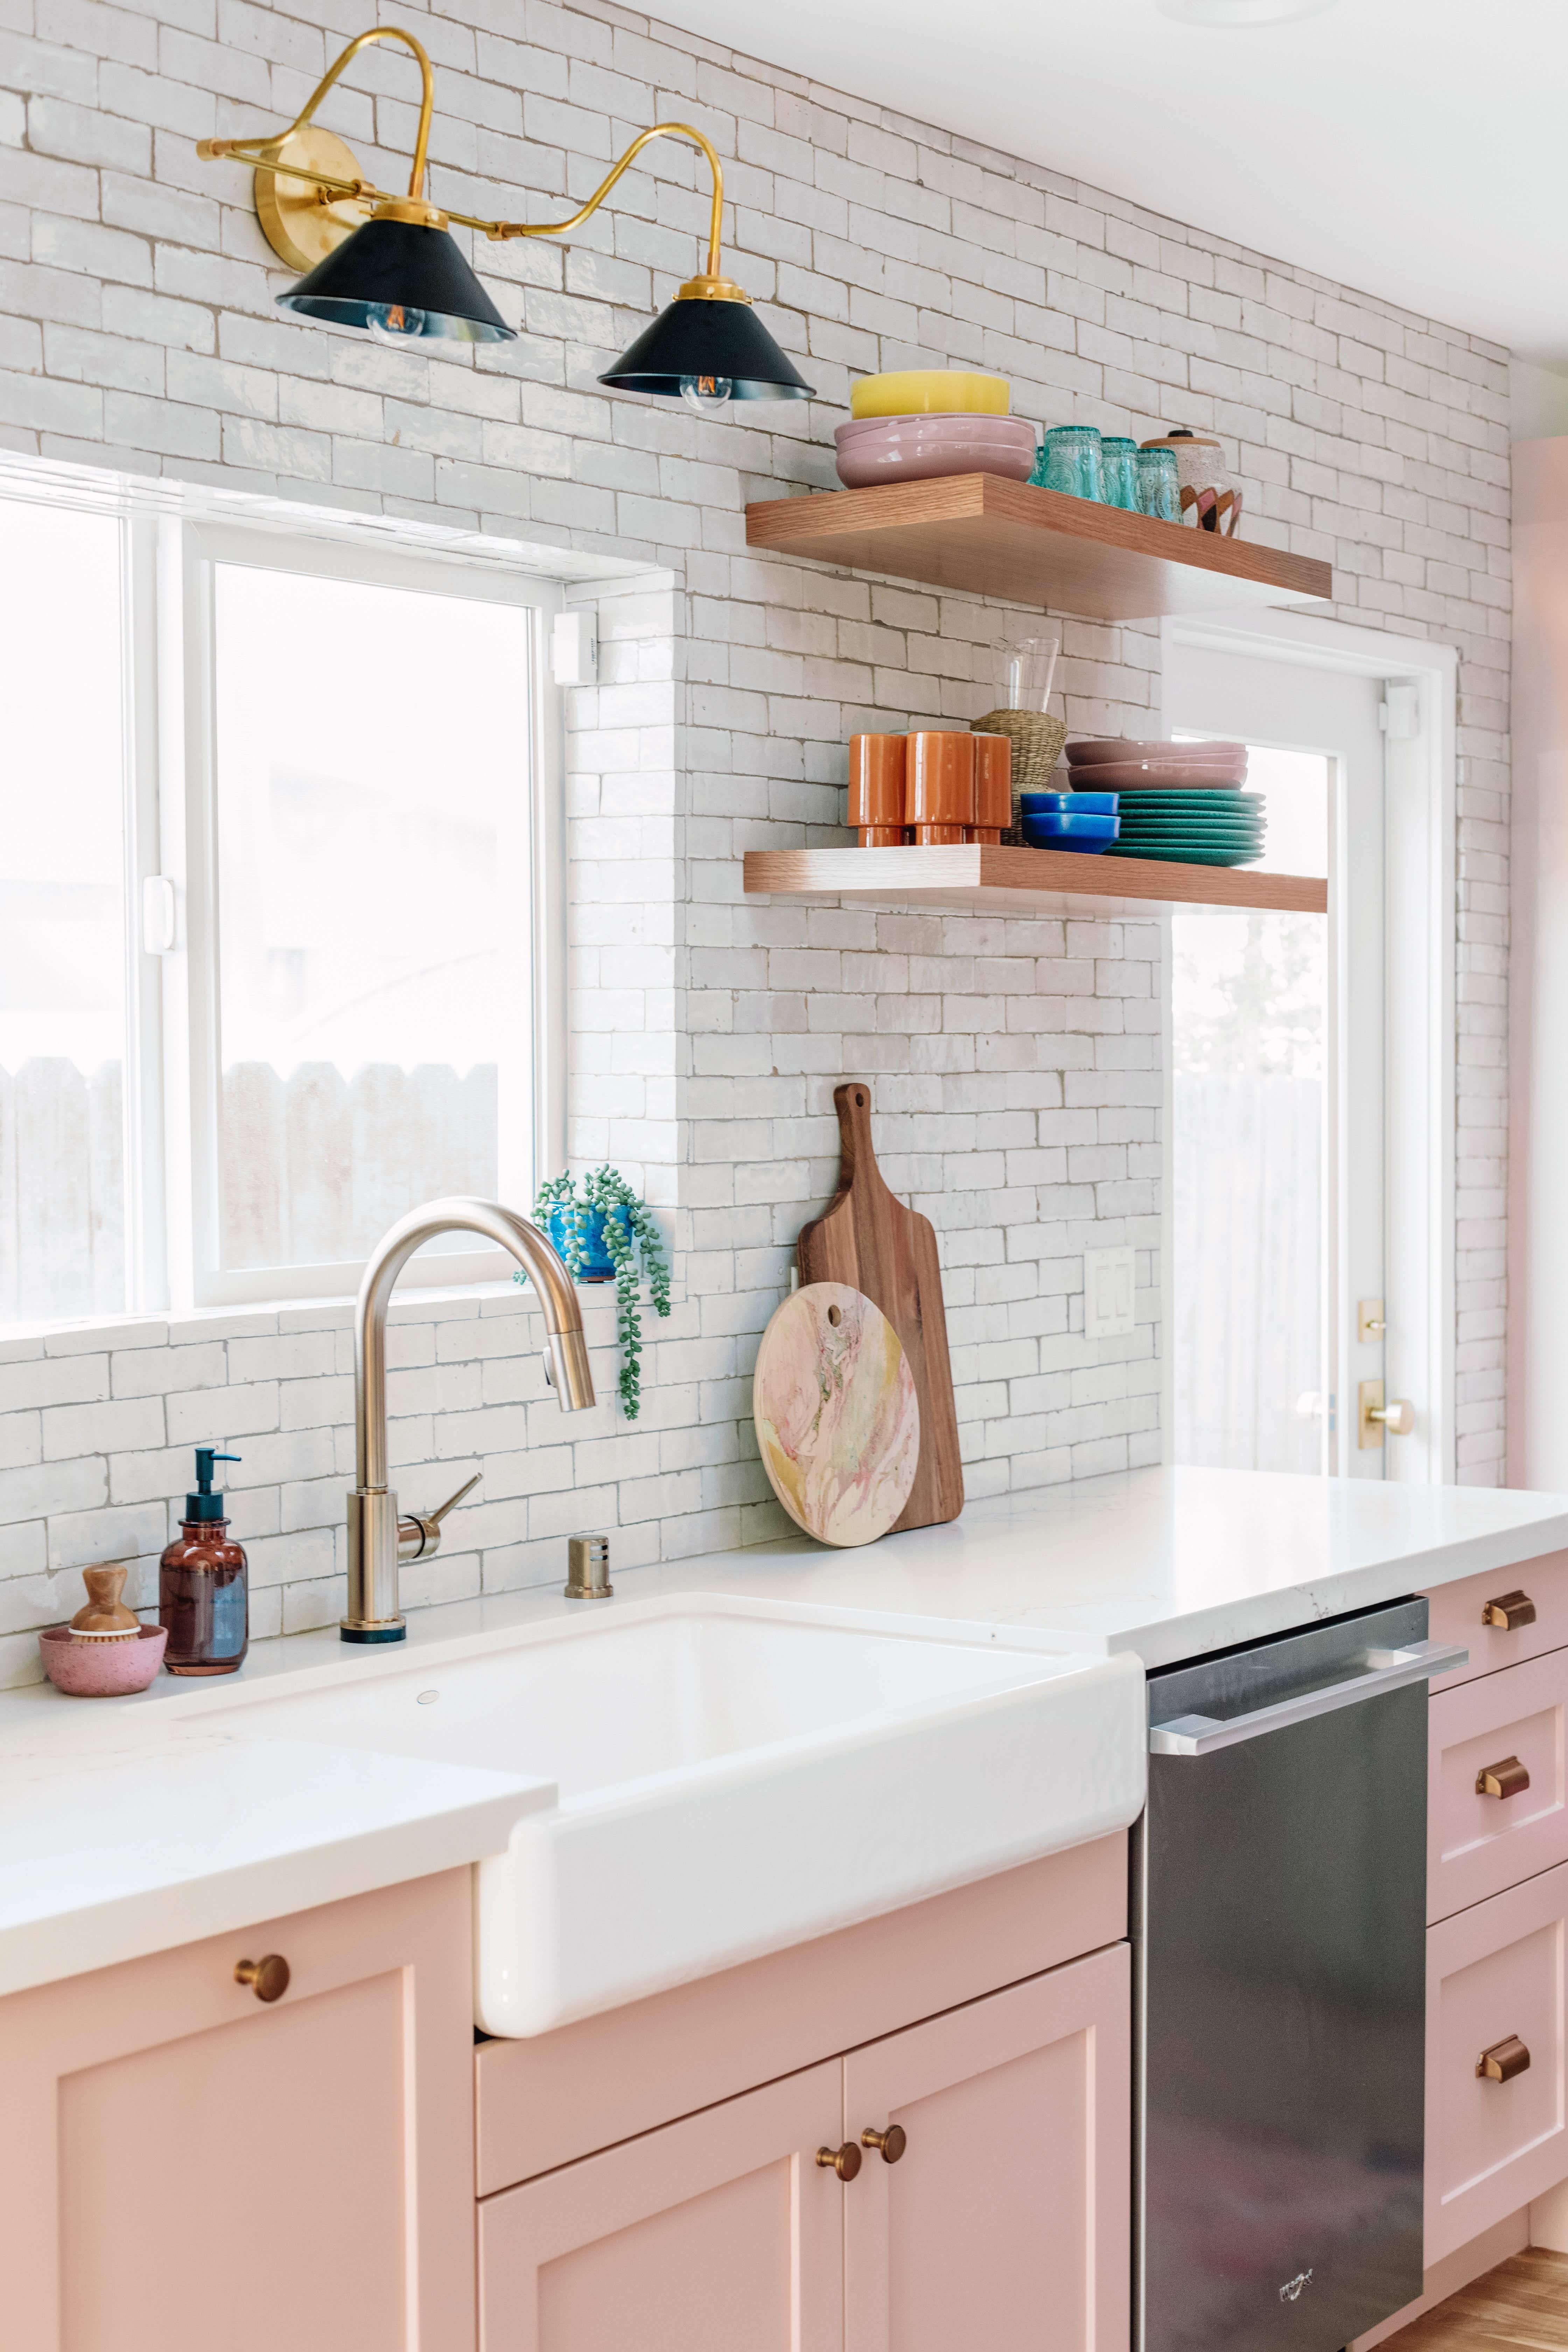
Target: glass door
point(1277, 1088)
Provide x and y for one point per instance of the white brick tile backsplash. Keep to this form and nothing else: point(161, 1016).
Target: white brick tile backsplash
point(1015, 1064)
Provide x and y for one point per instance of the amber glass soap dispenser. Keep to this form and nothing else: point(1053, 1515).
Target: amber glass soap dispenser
point(202, 1591)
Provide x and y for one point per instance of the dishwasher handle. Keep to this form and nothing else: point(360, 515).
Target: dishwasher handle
point(1201, 1735)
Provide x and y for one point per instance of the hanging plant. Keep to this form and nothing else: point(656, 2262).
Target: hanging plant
point(601, 1233)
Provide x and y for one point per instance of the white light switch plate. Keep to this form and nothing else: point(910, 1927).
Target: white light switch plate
point(1107, 1283)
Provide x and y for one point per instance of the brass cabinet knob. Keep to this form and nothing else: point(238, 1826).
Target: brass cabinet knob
point(845, 2161)
point(1509, 1779)
point(892, 2142)
point(267, 1978)
point(1504, 2060)
point(1508, 1611)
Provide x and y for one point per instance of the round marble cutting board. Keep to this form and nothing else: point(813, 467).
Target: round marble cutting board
point(837, 1419)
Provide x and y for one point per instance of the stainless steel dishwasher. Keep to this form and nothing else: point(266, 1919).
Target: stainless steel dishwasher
point(1280, 1919)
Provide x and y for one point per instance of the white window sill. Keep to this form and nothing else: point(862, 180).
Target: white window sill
point(29, 1343)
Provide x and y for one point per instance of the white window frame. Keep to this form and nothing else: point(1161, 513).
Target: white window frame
point(187, 651)
point(168, 657)
point(1420, 948)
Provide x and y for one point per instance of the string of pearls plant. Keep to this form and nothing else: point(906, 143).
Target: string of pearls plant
point(607, 1214)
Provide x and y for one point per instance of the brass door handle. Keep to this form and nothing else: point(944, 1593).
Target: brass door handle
point(267, 1978)
point(845, 2161)
point(1504, 2060)
point(1376, 1419)
point(891, 2142)
point(1509, 1779)
point(1508, 1611)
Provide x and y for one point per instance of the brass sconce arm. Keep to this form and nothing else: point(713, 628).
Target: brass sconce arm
point(264, 153)
point(271, 156)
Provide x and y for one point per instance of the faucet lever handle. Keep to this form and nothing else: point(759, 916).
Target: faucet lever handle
point(419, 1532)
point(452, 1501)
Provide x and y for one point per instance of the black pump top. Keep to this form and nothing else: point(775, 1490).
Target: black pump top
point(204, 1504)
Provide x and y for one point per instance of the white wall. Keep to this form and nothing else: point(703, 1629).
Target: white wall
point(1014, 1064)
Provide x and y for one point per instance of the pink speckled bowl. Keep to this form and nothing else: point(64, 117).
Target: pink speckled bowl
point(873, 449)
point(101, 1669)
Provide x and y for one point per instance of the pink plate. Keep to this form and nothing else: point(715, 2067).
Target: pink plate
point(1146, 777)
point(873, 449)
point(1090, 749)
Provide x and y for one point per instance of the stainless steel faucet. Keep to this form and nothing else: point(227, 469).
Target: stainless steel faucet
point(378, 1538)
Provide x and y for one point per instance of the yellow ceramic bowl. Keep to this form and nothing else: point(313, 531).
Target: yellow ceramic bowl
point(917, 391)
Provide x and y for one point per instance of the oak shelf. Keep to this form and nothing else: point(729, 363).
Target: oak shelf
point(1023, 881)
point(987, 537)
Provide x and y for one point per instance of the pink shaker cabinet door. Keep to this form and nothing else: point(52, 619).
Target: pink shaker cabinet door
point(1495, 1978)
point(721, 2233)
point(1006, 2218)
point(184, 2167)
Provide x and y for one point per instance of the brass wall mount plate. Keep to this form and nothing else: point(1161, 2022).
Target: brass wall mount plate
point(302, 224)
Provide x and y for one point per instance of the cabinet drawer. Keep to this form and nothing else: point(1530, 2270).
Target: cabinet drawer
point(1457, 1614)
point(1494, 1971)
point(1479, 1842)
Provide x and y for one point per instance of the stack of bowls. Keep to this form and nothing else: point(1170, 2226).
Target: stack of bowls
point(922, 423)
point(1178, 801)
point(1086, 821)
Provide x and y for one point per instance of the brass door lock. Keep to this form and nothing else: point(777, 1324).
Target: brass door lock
point(1503, 2061)
point(1509, 1779)
point(1508, 1611)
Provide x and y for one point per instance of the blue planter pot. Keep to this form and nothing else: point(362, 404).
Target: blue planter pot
point(597, 1264)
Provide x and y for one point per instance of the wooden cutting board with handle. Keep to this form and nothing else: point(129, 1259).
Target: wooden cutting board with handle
point(868, 1239)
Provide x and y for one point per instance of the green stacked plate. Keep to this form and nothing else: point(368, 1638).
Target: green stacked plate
point(1196, 827)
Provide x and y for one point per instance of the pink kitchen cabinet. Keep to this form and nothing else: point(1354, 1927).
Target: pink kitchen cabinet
point(1007, 2219)
point(716, 2233)
point(186, 2168)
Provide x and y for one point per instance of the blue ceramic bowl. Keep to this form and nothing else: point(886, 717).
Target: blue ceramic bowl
point(1068, 803)
point(1070, 831)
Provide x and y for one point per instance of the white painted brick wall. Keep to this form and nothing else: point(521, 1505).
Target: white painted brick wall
point(1014, 1064)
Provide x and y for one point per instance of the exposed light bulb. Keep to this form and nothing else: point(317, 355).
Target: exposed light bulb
point(1238, 15)
point(709, 395)
point(393, 323)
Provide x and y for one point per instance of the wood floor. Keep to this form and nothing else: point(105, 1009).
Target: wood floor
point(1524, 2302)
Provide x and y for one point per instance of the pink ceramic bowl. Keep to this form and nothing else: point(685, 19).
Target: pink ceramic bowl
point(101, 1669)
point(873, 449)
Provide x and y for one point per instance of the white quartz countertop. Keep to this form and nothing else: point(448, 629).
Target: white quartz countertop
point(1166, 1563)
point(117, 1839)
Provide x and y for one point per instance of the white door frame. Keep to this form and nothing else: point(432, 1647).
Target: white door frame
point(1420, 801)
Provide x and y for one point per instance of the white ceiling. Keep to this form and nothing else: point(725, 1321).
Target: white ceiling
point(1412, 149)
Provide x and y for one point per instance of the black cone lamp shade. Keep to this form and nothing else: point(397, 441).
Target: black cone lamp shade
point(695, 340)
point(403, 282)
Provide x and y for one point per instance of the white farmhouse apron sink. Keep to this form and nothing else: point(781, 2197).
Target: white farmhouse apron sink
point(732, 1777)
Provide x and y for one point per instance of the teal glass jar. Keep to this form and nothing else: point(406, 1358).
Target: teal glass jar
point(1071, 462)
point(1159, 489)
point(1118, 472)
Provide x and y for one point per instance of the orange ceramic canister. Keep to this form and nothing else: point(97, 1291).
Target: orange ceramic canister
point(939, 786)
point(993, 786)
point(877, 790)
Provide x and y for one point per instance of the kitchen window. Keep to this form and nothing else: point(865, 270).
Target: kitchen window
point(272, 969)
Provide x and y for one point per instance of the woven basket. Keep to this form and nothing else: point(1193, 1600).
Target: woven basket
point(1038, 741)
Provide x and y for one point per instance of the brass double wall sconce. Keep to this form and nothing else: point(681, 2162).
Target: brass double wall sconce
point(399, 275)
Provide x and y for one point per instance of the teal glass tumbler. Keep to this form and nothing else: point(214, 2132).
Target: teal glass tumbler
point(1118, 472)
point(1159, 488)
point(1072, 462)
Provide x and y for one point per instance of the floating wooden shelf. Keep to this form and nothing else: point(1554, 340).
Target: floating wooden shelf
point(1023, 881)
point(988, 537)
